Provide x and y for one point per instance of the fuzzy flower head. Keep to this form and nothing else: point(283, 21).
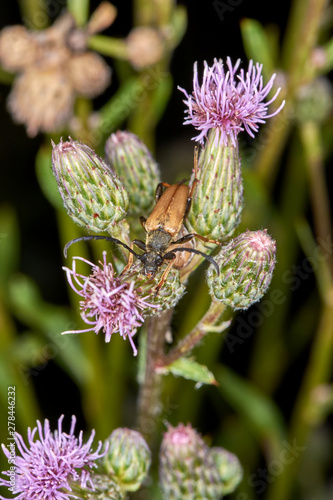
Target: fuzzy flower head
point(53, 67)
point(50, 466)
point(227, 101)
point(109, 303)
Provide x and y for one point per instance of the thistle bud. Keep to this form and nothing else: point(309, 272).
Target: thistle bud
point(217, 200)
point(106, 488)
point(127, 459)
point(132, 161)
point(187, 469)
point(93, 196)
point(169, 294)
point(229, 467)
point(246, 268)
point(314, 101)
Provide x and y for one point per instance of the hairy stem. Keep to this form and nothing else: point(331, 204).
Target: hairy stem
point(150, 390)
point(318, 373)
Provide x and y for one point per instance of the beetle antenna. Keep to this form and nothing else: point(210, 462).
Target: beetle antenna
point(193, 250)
point(107, 238)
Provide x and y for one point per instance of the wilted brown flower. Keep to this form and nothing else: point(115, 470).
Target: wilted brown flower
point(145, 46)
point(52, 70)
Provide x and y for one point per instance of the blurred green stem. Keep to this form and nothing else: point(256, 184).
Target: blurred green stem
point(302, 35)
point(312, 144)
point(267, 371)
point(34, 14)
point(318, 372)
point(152, 12)
point(112, 47)
point(80, 10)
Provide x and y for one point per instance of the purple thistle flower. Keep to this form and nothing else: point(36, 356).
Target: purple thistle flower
point(49, 465)
point(109, 303)
point(228, 102)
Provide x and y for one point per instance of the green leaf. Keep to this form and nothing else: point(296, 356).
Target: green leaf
point(257, 45)
point(191, 370)
point(178, 24)
point(9, 243)
point(46, 178)
point(117, 109)
point(161, 97)
point(259, 412)
point(50, 320)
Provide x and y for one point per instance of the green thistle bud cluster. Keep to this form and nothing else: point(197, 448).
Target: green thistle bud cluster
point(168, 296)
point(93, 196)
point(128, 459)
point(132, 161)
point(229, 467)
point(246, 268)
point(314, 101)
point(106, 488)
point(187, 468)
point(218, 198)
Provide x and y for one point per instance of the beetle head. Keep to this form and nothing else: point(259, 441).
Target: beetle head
point(151, 262)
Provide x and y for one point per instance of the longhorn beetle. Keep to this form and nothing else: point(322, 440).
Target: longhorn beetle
point(162, 227)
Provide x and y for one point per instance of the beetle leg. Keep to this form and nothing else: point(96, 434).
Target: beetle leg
point(194, 183)
point(129, 262)
point(189, 236)
point(189, 199)
point(140, 244)
point(168, 256)
point(143, 221)
point(159, 190)
point(207, 240)
point(184, 239)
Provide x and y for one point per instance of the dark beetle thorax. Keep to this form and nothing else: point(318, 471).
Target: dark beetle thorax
point(158, 240)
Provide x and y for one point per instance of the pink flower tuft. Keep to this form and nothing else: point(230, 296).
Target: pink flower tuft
point(228, 102)
point(48, 466)
point(108, 302)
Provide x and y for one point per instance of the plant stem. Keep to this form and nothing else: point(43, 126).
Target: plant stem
point(304, 24)
point(206, 325)
point(112, 47)
point(312, 145)
point(150, 390)
point(34, 14)
point(317, 373)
